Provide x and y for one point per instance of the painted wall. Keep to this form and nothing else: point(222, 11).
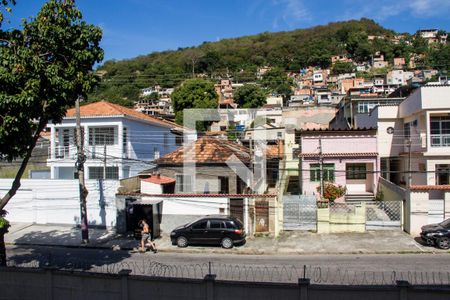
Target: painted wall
point(57, 202)
point(178, 211)
point(144, 142)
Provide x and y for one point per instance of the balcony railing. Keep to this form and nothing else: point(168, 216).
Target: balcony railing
point(91, 152)
point(440, 140)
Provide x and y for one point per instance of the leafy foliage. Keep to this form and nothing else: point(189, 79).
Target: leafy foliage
point(44, 68)
point(193, 93)
point(250, 96)
point(342, 68)
point(5, 4)
point(239, 57)
point(332, 191)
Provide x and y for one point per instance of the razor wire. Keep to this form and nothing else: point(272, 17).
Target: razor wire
point(249, 273)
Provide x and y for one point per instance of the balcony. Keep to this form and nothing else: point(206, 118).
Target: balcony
point(440, 140)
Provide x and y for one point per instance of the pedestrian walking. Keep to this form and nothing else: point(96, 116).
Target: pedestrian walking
point(146, 239)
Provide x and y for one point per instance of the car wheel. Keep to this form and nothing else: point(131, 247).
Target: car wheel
point(227, 243)
point(443, 243)
point(182, 242)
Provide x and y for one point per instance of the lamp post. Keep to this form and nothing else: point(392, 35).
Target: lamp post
point(81, 158)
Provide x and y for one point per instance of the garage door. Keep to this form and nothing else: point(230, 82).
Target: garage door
point(435, 211)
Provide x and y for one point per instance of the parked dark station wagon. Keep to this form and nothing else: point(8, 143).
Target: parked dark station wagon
point(437, 234)
point(210, 230)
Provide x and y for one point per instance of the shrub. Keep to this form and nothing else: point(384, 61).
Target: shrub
point(332, 191)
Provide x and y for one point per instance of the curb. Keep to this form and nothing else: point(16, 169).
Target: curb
point(231, 252)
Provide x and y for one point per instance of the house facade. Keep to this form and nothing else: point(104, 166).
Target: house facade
point(118, 142)
point(347, 157)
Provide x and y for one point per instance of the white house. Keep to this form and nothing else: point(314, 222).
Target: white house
point(414, 150)
point(118, 142)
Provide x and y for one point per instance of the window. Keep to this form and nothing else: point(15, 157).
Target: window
point(178, 140)
point(101, 136)
point(356, 171)
point(216, 224)
point(224, 185)
point(97, 173)
point(328, 172)
point(407, 131)
point(125, 140)
point(184, 183)
point(440, 131)
point(200, 225)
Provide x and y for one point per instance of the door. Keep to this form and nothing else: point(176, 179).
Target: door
point(198, 232)
point(216, 231)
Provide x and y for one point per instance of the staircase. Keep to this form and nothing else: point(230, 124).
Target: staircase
point(363, 197)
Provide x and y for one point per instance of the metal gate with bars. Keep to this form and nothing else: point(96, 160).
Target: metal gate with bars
point(299, 212)
point(384, 215)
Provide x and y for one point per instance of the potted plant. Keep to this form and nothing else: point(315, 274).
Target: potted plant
point(4, 225)
point(332, 191)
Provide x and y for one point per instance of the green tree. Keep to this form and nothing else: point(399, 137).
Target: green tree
point(45, 66)
point(277, 82)
point(193, 93)
point(342, 67)
point(250, 96)
point(5, 4)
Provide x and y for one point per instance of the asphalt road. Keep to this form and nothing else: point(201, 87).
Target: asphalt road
point(321, 269)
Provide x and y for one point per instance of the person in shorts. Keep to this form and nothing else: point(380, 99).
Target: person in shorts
point(146, 239)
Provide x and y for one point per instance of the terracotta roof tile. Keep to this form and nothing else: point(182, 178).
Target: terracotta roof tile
point(206, 150)
point(430, 187)
point(158, 179)
point(105, 108)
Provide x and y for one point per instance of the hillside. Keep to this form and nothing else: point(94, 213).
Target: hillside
point(240, 57)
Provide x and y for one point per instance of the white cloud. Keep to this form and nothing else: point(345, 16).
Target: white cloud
point(384, 9)
point(293, 12)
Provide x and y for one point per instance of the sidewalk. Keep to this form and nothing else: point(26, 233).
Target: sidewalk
point(288, 243)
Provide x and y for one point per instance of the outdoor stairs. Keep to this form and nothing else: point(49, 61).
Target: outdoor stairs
point(363, 197)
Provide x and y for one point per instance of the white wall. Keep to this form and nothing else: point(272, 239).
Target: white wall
point(57, 202)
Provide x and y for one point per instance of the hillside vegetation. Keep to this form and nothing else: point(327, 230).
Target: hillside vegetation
point(240, 58)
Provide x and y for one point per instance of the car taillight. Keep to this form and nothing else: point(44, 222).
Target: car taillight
point(238, 231)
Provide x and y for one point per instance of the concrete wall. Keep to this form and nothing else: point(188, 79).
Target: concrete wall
point(45, 285)
point(54, 201)
point(207, 178)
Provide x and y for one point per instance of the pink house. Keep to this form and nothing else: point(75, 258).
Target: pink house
point(349, 158)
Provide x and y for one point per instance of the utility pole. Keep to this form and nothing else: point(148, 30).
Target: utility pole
point(321, 167)
point(81, 158)
point(104, 162)
point(409, 164)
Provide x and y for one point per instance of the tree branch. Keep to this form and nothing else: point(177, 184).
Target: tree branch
point(16, 183)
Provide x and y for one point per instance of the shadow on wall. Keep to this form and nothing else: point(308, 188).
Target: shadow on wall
point(80, 259)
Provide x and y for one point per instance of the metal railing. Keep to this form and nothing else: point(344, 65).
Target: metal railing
point(440, 140)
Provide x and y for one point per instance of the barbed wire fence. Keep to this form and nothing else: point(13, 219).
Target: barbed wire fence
point(249, 273)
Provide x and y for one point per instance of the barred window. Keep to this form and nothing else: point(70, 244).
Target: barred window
point(328, 172)
point(97, 173)
point(102, 136)
point(356, 171)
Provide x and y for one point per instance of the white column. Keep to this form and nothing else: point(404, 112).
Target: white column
point(120, 148)
point(52, 142)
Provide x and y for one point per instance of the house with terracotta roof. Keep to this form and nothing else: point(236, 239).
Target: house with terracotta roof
point(348, 157)
point(118, 142)
point(213, 174)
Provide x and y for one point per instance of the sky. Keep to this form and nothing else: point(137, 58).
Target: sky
point(139, 27)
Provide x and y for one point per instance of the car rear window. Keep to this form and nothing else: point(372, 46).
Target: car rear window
point(234, 224)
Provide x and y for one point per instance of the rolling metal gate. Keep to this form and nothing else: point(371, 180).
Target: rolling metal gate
point(299, 212)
